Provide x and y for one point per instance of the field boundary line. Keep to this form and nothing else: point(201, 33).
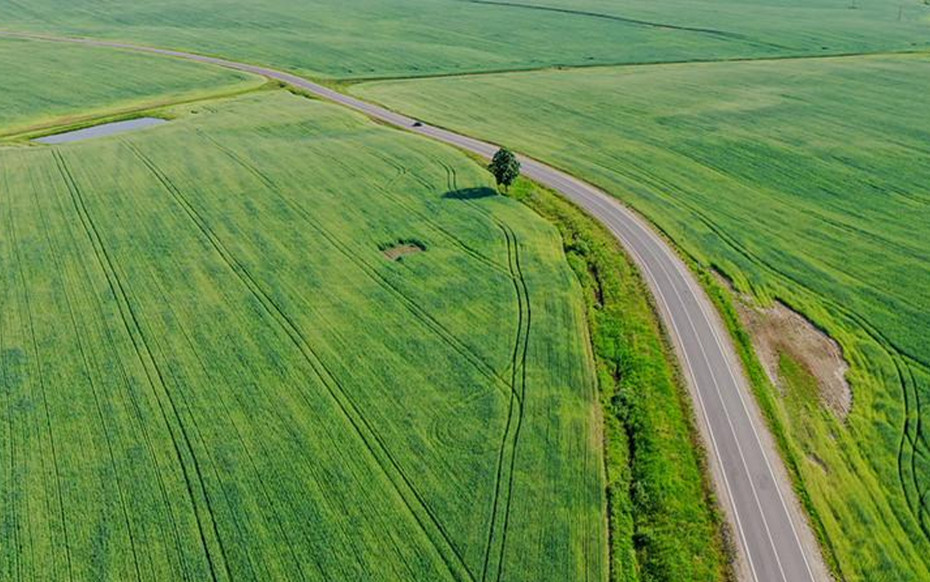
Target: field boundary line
point(634, 21)
point(60, 125)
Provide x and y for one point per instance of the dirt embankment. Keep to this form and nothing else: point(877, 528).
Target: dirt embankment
point(779, 330)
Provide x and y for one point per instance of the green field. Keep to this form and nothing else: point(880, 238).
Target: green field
point(366, 38)
point(80, 83)
point(803, 180)
point(219, 286)
point(209, 366)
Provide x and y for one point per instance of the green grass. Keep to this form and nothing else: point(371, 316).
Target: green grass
point(803, 180)
point(209, 367)
point(376, 38)
point(663, 518)
point(50, 84)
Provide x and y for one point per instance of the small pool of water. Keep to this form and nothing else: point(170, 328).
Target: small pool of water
point(101, 130)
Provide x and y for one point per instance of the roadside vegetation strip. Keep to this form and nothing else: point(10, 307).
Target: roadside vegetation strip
point(792, 170)
point(50, 85)
point(664, 521)
point(235, 287)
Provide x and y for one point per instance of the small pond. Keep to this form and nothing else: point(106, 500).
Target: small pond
point(100, 130)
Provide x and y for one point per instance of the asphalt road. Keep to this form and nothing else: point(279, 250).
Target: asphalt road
point(775, 542)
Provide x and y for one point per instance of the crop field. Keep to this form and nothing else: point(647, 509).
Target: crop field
point(209, 367)
point(802, 180)
point(377, 38)
point(78, 84)
point(271, 339)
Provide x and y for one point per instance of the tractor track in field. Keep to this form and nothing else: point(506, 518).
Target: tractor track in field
point(42, 389)
point(432, 223)
point(427, 320)
point(424, 317)
point(414, 309)
point(518, 382)
point(15, 542)
point(505, 460)
point(908, 473)
point(146, 358)
point(141, 425)
point(634, 21)
point(269, 499)
point(346, 404)
point(14, 547)
point(518, 376)
point(209, 460)
point(89, 376)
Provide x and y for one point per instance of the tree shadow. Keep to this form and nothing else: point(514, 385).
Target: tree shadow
point(470, 193)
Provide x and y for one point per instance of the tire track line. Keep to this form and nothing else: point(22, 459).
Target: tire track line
point(251, 459)
point(15, 556)
point(60, 269)
point(408, 303)
point(41, 379)
point(456, 564)
point(518, 374)
point(518, 382)
point(141, 423)
point(147, 360)
point(503, 450)
point(523, 365)
point(435, 225)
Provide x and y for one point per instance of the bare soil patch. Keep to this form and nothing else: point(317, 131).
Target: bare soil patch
point(397, 250)
point(778, 329)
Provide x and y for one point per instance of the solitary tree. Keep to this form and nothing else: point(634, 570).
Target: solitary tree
point(505, 167)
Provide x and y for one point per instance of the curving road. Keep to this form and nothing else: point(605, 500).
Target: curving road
point(773, 537)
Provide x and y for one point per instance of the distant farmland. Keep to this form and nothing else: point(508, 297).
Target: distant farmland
point(210, 366)
point(803, 180)
point(271, 339)
point(402, 38)
point(54, 84)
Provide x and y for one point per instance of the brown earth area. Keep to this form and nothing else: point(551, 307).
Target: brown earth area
point(399, 251)
point(779, 329)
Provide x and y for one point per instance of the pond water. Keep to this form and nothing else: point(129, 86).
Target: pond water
point(100, 130)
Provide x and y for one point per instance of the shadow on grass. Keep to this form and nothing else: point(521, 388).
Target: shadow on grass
point(470, 193)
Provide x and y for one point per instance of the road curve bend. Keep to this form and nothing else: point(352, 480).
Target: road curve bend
point(774, 540)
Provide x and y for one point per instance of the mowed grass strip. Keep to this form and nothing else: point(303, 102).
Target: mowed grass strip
point(48, 84)
point(801, 180)
point(210, 369)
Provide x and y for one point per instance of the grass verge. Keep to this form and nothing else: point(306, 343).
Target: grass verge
point(763, 390)
point(663, 519)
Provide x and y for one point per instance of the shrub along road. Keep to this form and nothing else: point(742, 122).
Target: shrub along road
point(774, 539)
